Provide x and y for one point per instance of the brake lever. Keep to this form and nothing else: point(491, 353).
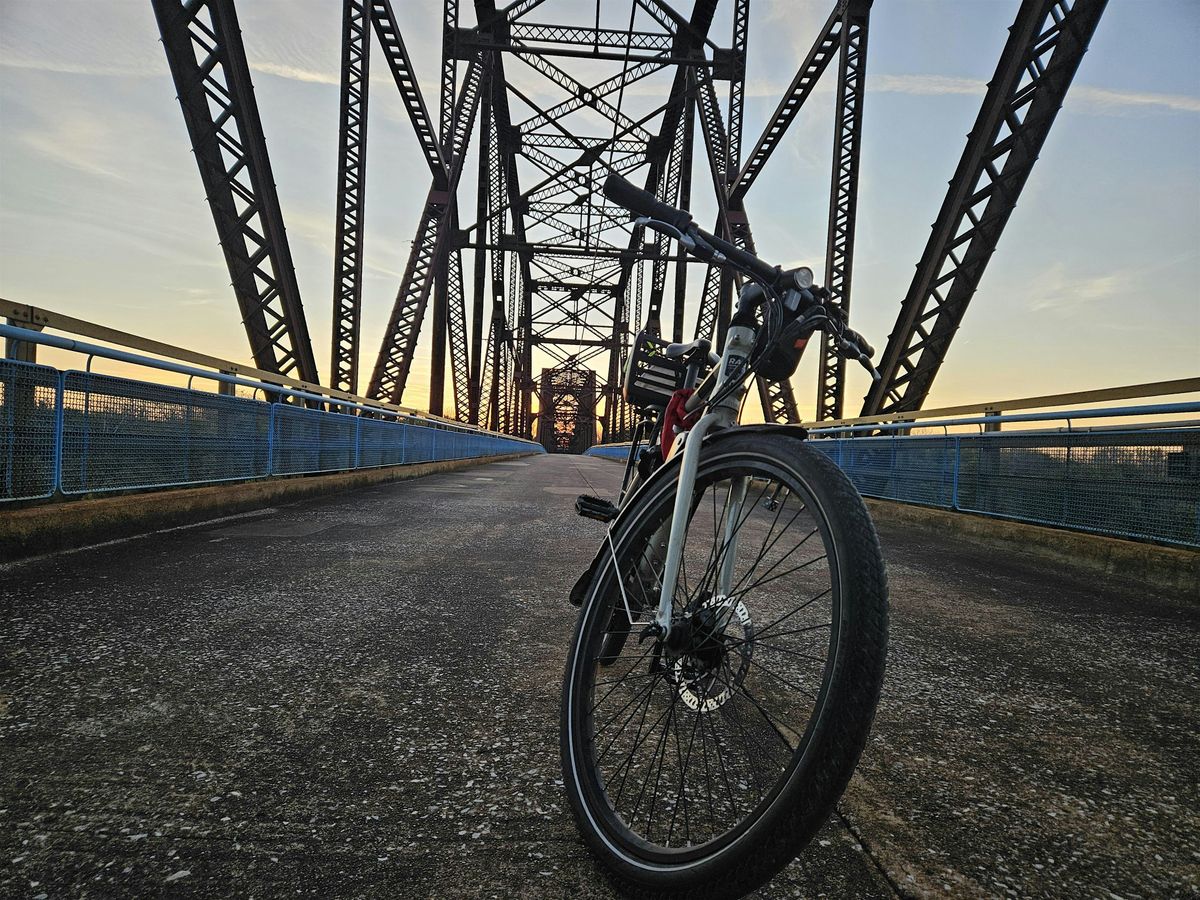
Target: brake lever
point(668, 229)
point(850, 351)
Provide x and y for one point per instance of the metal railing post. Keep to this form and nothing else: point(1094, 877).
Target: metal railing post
point(59, 393)
point(87, 434)
point(957, 467)
point(1066, 483)
point(271, 440)
point(187, 439)
point(357, 441)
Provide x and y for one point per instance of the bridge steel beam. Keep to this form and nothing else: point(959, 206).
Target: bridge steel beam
point(476, 361)
point(690, 37)
point(1043, 52)
point(391, 43)
point(737, 80)
point(843, 197)
point(819, 56)
point(571, 243)
point(351, 180)
point(519, 360)
point(777, 397)
point(429, 252)
point(204, 50)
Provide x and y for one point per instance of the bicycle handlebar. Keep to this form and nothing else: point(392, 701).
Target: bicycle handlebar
point(713, 249)
point(708, 246)
point(622, 191)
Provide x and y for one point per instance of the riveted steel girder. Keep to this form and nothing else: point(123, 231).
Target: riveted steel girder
point(352, 159)
point(778, 398)
point(1043, 52)
point(391, 43)
point(843, 197)
point(392, 366)
point(823, 50)
point(204, 50)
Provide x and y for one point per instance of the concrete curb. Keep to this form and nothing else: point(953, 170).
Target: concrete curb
point(61, 526)
point(1173, 568)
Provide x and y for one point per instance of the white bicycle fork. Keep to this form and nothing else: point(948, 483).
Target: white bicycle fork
point(738, 344)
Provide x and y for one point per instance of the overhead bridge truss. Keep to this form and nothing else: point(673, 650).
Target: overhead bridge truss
point(559, 278)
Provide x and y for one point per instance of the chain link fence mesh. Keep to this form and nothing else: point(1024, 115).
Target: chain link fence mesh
point(28, 430)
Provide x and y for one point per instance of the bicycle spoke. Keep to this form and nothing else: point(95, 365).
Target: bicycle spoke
point(688, 742)
point(764, 580)
point(727, 542)
point(778, 649)
point(774, 725)
point(780, 678)
point(627, 765)
point(648, 691)
point(763, 629)
point(618, 681)
point(659, 744)
point(774, 565)
point(768, 548)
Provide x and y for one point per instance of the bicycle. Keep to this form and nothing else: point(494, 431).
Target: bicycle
point(713, 713)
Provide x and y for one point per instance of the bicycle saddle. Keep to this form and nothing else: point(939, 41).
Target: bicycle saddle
point(676, 351)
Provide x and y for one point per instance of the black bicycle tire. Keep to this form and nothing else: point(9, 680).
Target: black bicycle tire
point(788, 825)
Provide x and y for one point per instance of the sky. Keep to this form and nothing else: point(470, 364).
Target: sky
point(1095, 283)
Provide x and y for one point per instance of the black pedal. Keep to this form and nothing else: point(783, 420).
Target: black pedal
point(594, 508)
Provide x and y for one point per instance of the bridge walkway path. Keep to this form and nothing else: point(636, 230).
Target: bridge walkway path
point(357, 696)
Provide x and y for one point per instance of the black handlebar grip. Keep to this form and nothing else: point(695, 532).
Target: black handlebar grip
point(855, 338)
point(622, 191)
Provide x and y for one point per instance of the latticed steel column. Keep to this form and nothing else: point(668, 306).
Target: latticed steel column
point(777, 397)
point(391, 43)
point(352, 160)
point(477, 362)
point(689, 36)
point(843, 197)
point(392, 366)
point(681, 154)
point(806, 78)
point(1045, 46)
point(456, 329)
point(687, 139)
point(429, 250)
point(737, 81)
point(204, 50)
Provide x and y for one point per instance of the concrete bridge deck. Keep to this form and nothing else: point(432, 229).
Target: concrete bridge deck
point(357, 696)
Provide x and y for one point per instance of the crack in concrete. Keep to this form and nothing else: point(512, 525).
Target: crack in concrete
point(894, 885)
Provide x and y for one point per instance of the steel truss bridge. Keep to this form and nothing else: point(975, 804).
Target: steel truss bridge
point(555, 269)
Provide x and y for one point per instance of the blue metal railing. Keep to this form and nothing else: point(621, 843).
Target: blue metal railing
point(81, 433)
point(1140, 482)
point(608, 451)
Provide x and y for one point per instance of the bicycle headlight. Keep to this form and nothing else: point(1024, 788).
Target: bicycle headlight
point(802, 277)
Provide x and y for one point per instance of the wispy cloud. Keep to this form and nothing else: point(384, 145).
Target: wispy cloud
point(1059, 292)
point(69, 147)
point(129, 69)
point(154, 68)
point(1082, 97)
point(1104, 100)
point(296, 73)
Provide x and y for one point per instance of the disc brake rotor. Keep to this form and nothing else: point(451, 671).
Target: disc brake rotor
point(705, 684)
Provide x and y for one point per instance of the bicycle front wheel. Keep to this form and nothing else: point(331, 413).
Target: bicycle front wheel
point(701, 766)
